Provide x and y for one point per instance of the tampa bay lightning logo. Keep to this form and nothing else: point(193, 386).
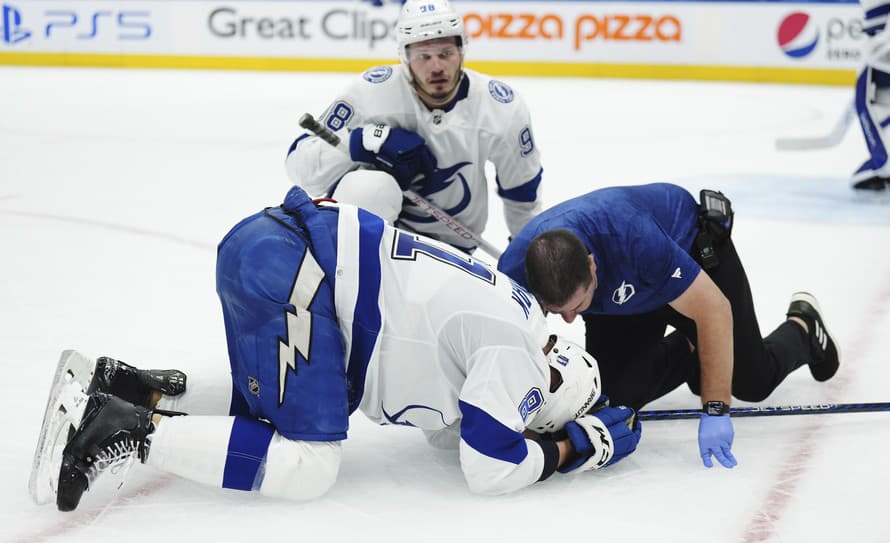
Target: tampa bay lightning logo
point(431, 417)
point(440, 180)
point(500, 91)
point(378, 74)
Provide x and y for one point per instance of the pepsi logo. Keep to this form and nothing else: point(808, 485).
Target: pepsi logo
point(798, 35)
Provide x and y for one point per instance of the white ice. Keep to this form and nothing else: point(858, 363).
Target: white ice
point(116, 185)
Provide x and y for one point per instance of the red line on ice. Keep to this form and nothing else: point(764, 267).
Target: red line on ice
point(762, 525)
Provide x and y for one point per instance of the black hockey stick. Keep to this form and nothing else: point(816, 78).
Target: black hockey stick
point(769, 411)
point(308, 122)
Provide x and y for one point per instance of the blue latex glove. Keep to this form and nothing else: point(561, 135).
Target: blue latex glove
point(715, 435)
point(603, 438)
point(401, 153)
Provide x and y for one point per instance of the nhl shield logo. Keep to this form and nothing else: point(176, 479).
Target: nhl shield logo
point(623, 293)
point(253, 386)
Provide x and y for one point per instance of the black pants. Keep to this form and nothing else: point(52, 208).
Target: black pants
point(639, 364)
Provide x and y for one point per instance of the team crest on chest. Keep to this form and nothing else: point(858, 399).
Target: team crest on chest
point(378, 74)
point(623, 293)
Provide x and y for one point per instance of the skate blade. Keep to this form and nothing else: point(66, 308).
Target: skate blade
point(64, 411)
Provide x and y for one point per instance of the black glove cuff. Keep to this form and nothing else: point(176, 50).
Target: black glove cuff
point(551, 458)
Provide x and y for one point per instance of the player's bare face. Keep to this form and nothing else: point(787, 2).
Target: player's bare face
point(435, 65)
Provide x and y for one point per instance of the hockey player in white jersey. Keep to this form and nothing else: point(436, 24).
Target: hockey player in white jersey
point(329, 310)
point(872, 98)
point(428, 125)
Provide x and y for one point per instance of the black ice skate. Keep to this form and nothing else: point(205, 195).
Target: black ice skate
point(872, 184)
point(825, 356)
point(112, 431)
point(77, 375)
point(134, 385)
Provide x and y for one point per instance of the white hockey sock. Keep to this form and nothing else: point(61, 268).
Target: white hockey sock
point(195, 448)
point(208, 392)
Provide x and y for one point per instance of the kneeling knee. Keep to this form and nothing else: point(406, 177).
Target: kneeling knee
point(751, 394)
point(300, 470)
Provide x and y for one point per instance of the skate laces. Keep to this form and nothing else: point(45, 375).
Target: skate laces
point(116, 458)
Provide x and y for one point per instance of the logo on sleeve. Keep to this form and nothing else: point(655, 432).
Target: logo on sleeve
point(378, 74)
point(500, 91)
point(677, 274)
point(623, 293)
point(531, 403)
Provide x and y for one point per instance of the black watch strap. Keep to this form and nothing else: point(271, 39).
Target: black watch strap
point(715, 408)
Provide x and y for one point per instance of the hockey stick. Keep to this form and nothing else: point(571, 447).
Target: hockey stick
point(769, 411)
point(821, 142)
point(308, 122)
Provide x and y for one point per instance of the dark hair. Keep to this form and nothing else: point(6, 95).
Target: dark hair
point(556, 266)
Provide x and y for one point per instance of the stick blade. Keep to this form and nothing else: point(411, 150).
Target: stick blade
point(835, 137)
point(806, 144)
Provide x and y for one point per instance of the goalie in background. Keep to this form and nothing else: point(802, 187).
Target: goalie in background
point(428, 125)
point(872, 98)
point(329, 310)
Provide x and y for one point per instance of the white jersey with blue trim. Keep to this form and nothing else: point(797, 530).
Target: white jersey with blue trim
point(487, 122)
point(443, 342)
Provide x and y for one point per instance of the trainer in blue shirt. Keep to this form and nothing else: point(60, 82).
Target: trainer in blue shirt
point(629, 260)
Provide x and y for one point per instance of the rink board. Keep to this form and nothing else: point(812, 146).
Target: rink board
point(812, 42)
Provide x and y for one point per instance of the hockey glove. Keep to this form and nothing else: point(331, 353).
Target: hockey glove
point(603, 438)
point(400, 152)
point(715, 435)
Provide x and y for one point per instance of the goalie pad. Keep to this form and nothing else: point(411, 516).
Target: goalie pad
point(873, 111)
point(64, 411)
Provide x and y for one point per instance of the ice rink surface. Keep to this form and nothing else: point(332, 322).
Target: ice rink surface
point(116, 185)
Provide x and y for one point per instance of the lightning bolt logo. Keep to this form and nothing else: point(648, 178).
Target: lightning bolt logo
point(299, 321)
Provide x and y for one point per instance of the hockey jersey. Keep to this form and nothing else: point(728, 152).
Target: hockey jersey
point(487, 122)
point(441, 342)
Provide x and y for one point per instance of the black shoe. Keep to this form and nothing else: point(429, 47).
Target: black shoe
point(874, 184)
point(825, 356)
point(134, 385)
point(112, 431)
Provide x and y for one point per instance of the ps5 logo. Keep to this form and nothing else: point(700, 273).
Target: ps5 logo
point(130, 25)
point(12, 25)
point(81, 25)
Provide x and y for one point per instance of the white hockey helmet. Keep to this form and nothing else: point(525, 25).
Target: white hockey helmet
point(577, 388)
point(422, 20)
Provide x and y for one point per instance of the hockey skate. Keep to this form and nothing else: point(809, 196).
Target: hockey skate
point(872, 184)
point(112, 433)
point(140, 387)
point(77, 376)
point(825, 354)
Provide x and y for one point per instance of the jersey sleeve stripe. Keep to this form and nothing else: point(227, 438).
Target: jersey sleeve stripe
point(488, 436)
point(295, 143)
point(527, 192)
point(367, 318)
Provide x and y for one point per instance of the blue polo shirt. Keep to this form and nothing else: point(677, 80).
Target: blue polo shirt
point(640, 238)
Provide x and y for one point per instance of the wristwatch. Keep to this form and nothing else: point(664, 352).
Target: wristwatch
point(715, 408)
